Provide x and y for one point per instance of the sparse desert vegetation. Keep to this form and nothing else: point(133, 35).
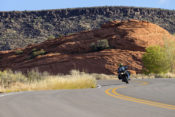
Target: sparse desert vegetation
point(152, 75)
point(100, 45)
point(77, 52)
point(36, 53)
point(16, 81)
point(99, 51)
point(18, 52)
point(160, 59)
point(34, 80)
point(19, 29)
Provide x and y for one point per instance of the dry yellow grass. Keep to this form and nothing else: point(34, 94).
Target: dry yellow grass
point(76, 80)
point(16, 81)
point(104, 76)
point(150, 76)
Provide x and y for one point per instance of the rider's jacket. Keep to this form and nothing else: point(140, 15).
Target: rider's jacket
point(122, 69)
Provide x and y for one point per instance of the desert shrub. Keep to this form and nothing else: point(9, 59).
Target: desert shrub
point(169, 46)
point(160, 59)
point(34, 49)
point(51, 37)
point(100, 45)
point(60, 35)
point(48, 26)
point(8, 77)
point(36, 53)
point(34, 75)
point(155, 60)
point(17, 52)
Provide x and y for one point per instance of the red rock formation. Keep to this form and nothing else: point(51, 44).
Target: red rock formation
point(127, 41)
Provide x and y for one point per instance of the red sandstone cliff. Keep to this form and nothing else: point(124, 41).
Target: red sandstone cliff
point(127, 41)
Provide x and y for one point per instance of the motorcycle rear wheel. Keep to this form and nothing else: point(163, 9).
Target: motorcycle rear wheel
point(125, 79)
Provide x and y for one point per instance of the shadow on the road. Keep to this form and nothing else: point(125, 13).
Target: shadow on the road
point(111, 84)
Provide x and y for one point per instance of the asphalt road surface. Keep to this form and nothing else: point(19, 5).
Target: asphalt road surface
point(140, 98)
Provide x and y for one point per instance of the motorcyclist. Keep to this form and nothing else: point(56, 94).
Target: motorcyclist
point(123, 68)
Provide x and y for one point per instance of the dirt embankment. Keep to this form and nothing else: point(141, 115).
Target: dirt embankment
point(126, 42)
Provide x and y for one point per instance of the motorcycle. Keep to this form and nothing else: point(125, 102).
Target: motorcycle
point(124, 77)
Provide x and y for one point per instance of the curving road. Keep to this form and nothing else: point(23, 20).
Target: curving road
point(141, 98)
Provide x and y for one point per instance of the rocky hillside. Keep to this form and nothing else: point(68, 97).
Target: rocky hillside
point(96, 51)
point(18, 29)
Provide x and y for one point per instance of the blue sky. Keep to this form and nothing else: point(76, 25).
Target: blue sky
point(20, 5)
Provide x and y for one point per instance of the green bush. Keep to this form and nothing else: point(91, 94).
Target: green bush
point(17, 52)
point(34, 49)
point(36, 53)
point(100, 45)
point(155, 60)
point(51, 37)
point(160, 59)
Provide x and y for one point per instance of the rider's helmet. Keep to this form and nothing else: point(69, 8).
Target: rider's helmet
point(120, 65)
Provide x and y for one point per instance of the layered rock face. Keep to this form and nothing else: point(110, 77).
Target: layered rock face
point(18, 29)
point(123, 42)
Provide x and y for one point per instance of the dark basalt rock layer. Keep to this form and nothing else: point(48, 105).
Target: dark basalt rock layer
point(21, 28)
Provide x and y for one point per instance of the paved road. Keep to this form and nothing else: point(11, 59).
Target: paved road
point(113, 99)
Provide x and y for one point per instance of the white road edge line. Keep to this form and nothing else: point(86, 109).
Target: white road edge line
point(99, 86)
point(16, 93)
point(8, 94)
